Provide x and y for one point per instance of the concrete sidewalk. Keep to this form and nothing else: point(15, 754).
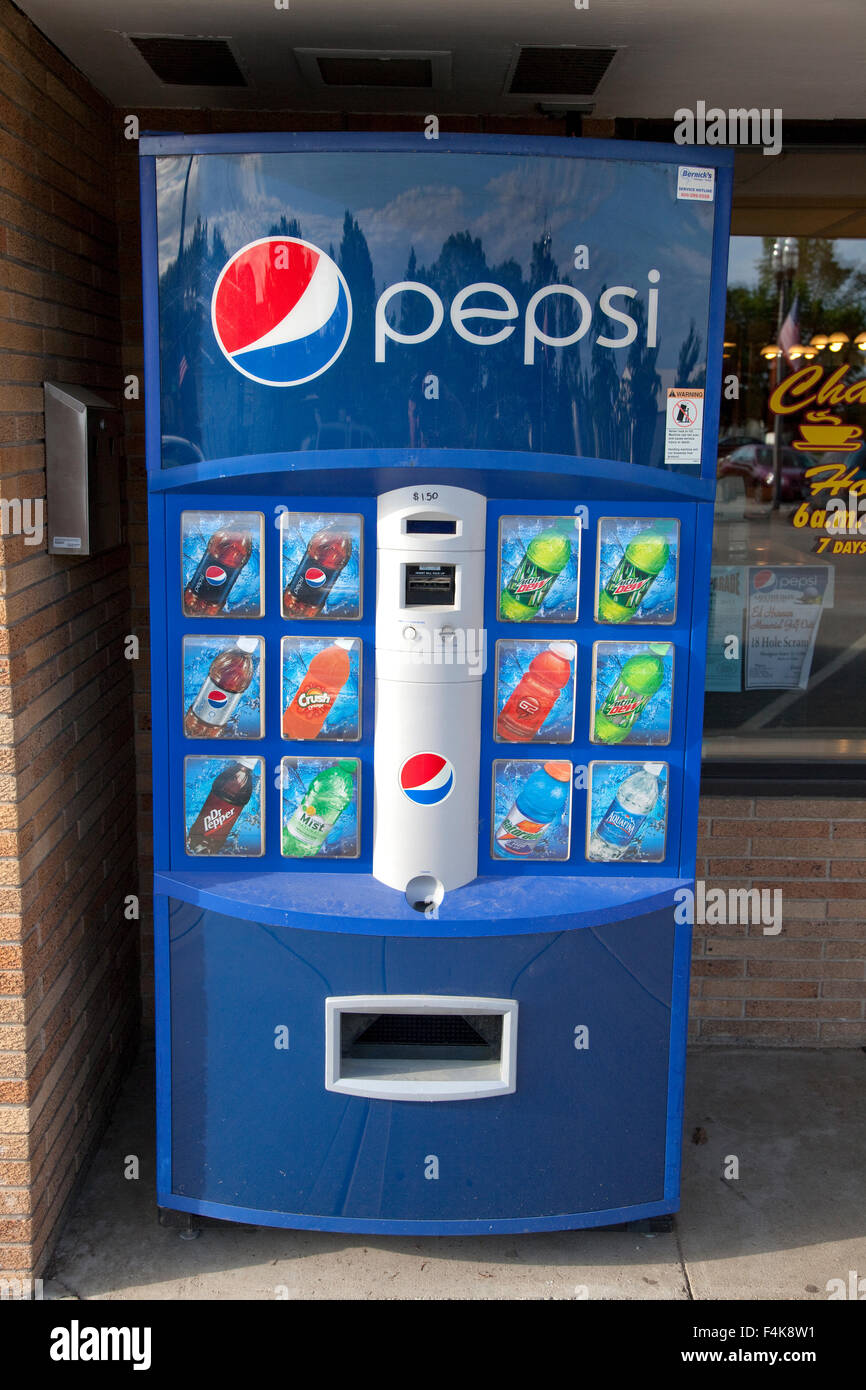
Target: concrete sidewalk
point(794, 1219)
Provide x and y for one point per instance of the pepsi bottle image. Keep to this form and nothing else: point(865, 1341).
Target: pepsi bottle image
point(218, 569)
point(223, 807)
point(221, 691)
point(326, 556)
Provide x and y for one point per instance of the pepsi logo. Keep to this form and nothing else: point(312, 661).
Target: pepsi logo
point(426, 778)
point(217, 698)
point(215, 574)
point(281, 311)
point(315, 577)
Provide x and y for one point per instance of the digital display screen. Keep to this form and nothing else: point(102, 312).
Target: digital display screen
point(418, 526)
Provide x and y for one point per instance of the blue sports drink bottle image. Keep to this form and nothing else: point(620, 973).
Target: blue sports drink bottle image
point(539, 804)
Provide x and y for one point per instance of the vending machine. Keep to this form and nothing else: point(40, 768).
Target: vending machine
point(431, 454)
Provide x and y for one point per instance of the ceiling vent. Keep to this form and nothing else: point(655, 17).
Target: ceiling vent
point(179, 61)
point(559, 72)
point(335, 67)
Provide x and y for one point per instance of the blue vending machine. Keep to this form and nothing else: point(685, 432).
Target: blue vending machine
point(431, 453)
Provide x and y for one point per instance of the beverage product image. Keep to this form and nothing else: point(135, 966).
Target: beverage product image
point(545, 558)
point(314, 698)
point(229, 794)
point(326, 556)
point(221, 691)
point(534, 696)
point(623, 820)
point(638, 680)
point(217, 572)
point(324, 801)
point(643, 561)
point(537, 807)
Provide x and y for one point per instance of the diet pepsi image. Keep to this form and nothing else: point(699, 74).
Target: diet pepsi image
point(326, 556)
point(622, 822)
point(223, 807)
point(217, 572)
point(221, 691)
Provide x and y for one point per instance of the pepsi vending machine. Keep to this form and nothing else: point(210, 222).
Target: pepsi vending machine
point(431, 454)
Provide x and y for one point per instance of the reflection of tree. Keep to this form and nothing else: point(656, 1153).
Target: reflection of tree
point(690, 351)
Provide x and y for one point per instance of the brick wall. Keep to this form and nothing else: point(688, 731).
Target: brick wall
point(68, 958)
point(805, 986)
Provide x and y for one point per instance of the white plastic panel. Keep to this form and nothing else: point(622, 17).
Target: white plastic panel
point(402, 1076)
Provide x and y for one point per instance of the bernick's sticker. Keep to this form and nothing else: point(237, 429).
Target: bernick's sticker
point(696, 185)
point(684, 421)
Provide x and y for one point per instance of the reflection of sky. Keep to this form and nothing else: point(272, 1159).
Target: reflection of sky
point(506, 200)
point(745, 252)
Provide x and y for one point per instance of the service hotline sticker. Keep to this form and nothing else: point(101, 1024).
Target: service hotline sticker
point(539, 566)
point(531, 810)
point(223, 806)
point(535, 684)
point(636, 578)
point(321, 688)
point(632, 692)
point(320, 805)
point(222, 687)
point(221, 569)
point(320, 565)
point(627, 809)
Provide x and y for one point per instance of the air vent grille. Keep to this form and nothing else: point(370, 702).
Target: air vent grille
point(189, 62)
point(376, 72)
point(560, 71)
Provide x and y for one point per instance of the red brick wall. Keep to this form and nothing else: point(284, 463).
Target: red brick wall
point(68, 956)
point(807, 985)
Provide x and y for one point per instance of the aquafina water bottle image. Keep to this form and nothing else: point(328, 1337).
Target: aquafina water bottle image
point(628, 811)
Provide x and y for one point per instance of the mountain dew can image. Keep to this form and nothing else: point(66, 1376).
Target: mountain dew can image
point(327, 797)
point(546, 557)
point(638, 680)
point(643, 561)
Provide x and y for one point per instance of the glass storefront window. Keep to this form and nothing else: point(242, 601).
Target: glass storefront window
point(786, 666)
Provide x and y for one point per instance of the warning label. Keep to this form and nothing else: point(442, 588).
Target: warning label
point(684, 421)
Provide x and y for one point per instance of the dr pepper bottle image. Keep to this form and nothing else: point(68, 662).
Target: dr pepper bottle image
point(223, 807)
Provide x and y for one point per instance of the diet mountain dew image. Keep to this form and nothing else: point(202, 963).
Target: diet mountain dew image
point(525, 595)
point(634, 571)
point(625, 688)
point(311, 823)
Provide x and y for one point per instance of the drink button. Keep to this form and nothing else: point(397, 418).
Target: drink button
point(410, 633)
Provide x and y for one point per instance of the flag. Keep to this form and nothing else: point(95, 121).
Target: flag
point(789, 333)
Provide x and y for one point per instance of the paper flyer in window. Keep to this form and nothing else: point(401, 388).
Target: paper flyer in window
point(784, 612)
point(727, 607)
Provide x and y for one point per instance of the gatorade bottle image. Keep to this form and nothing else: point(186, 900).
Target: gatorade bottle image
point(206, 593)
point(644, 559)
point(325, 558)
point(327, 797)
point(539, 805)
point(535, 694)
point(638, 680)
point(314, 698)
point(546, 557)
point(229, 794)
point(221, 691)
point(622, 821)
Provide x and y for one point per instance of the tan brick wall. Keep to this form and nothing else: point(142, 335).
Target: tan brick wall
point(805, 986)
point(68, 957)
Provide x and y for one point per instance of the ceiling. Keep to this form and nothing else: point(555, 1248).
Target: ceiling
point(805, 56)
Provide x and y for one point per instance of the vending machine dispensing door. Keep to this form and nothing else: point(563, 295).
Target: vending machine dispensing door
point(429, 664)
